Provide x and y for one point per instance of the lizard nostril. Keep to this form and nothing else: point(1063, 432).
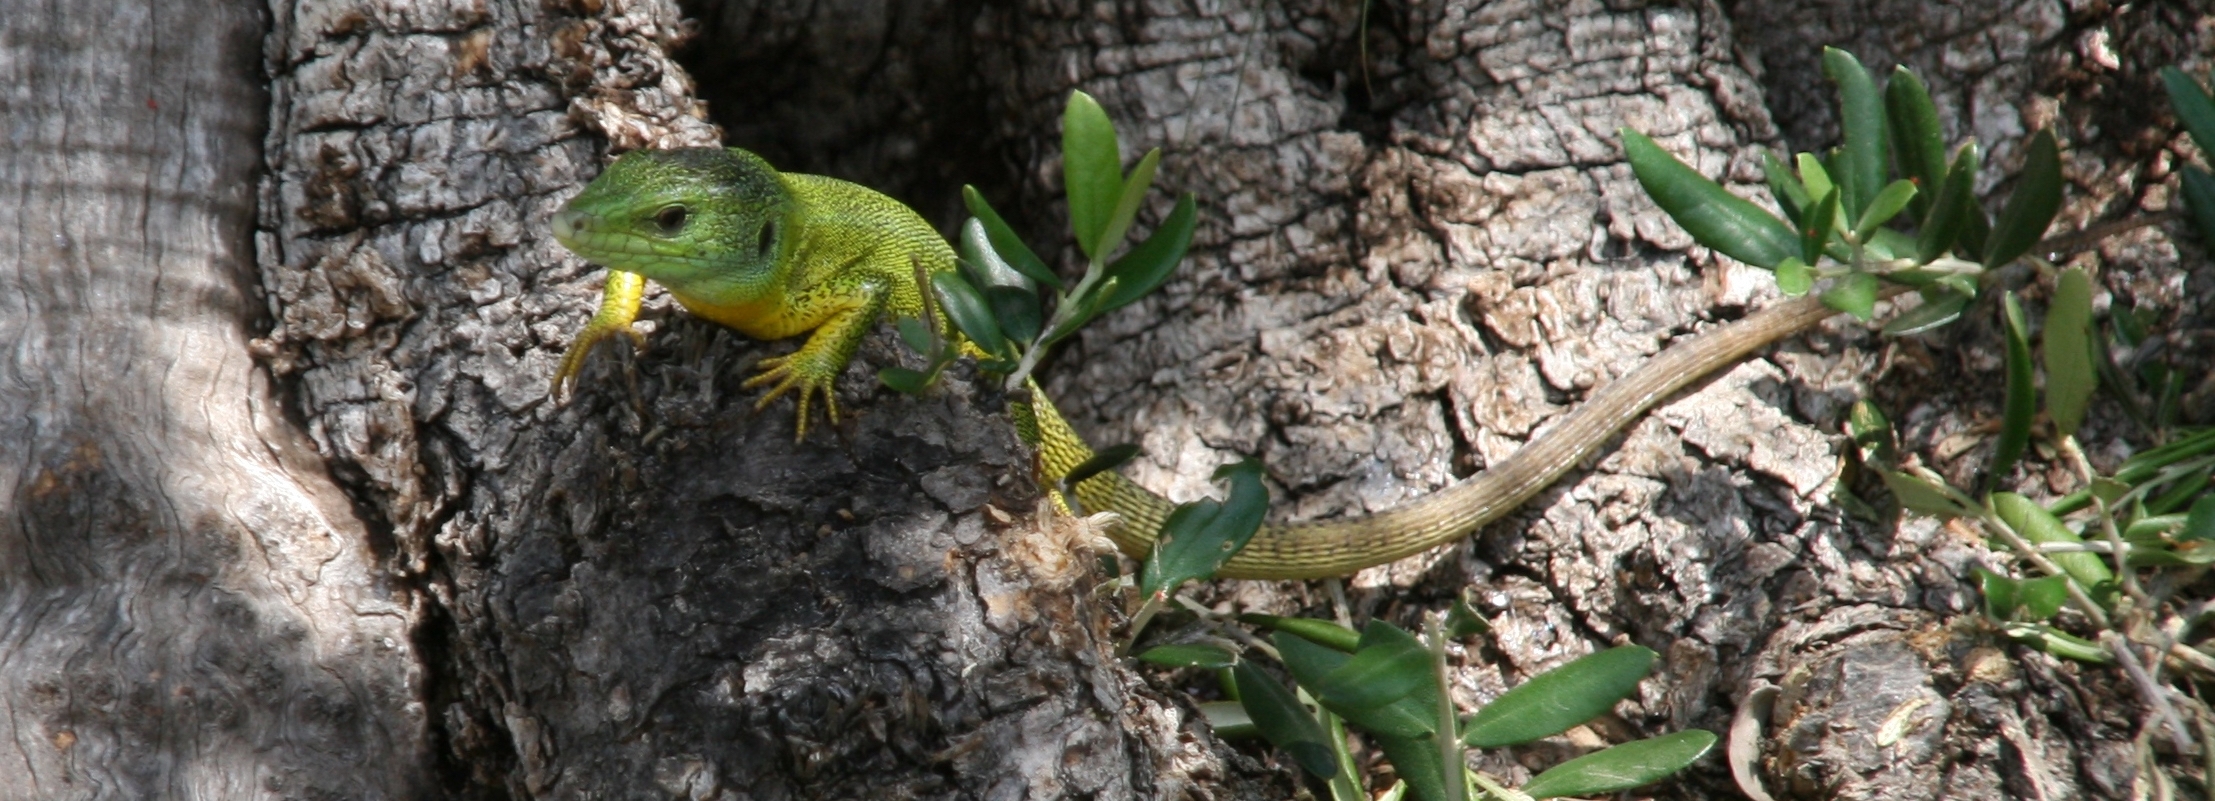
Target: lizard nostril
point(565, 223)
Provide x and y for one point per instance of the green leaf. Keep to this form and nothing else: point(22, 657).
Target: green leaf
point(1379, 673)
point(1005, 242)
point(1861, 157)
point(1553, 701)
point(1853, 293)
point(1189, 655)
point(1887, 204)
point(1091, 170)
point(1199, 537)
point(1872, 434)
point(1816, 235)
point(2070, 378)
point(1814, 175)
point(1126, 206)
point(1717, 219)
point(2194, 106)
point(1103, 460)
point(2199, 198)
point(1949, 214)
point(2022, 398)
point(2184, 490)
point(1794, 277)
point(1625, 766)
point(1791, 195)
point(1416, 761)
point(1941, 305)
point(2039, 526)
point(1088, 307)
point(1283, 721)
point(916, 333)
point(1925, 496)
point(1918, 146)
point(1413, 715)
point(986, 268)
point(2031, 207)
point(2011, 600)
point(2062, 644)
point(1018, 311)
point(1463, 621)
point(970, 313)
point(1228, 719)
point(2199, 524)
point(904, 380)
point(1145, 267)
point(1321, 632)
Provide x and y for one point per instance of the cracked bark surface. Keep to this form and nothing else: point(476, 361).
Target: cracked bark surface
point(1418, 245)
point(189, 607)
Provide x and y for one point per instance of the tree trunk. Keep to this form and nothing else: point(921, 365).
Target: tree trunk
point(1419, 244)
point(189, 607)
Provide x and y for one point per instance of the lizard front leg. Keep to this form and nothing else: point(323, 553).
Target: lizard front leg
point(814, 368)
point(618, 307)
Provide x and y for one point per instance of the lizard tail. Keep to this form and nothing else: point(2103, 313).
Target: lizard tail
point(1317, 549)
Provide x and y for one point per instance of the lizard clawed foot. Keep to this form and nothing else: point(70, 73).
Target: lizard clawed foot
point(787, 378)
point(573, 359)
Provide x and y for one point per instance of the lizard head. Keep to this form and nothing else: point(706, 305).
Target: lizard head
point(696, 220)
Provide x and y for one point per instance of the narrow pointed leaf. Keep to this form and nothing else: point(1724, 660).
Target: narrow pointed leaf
point(1872, 434)
point(904, 380)
point(2199, 198)
point(1632, 764)
point(1199, 537)
point(2039, 526)
point(1277, 713)
point(1145, 267)
point(1091, 170)
point(1135, 186)
point(983, 261)
point(1887, 204)
point(1413, 715)
point(1791, 195)
point(2193, 105)
point(1949, 213)
point(1321, 632)
point(1861, 158)
point(1197, 655)
point(2022, 397)
point(1815, 176)
point(916, 334)
point(2199, 524)
point(1726, 223)
point(1941, 305)
point(1416, 761)
point(2070, 378)
point(1918, 146)
point(1377, 675)
point(970, 313)
point(1553, 701)
point(1005, 242)
point(2031, 207)
point(1855, 294)
point(1924, 496)
point(1816, 236)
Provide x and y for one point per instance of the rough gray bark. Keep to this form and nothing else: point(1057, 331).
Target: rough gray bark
point(1419, 244)
point(189, 607)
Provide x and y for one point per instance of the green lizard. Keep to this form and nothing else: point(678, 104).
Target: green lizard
point(778, 254)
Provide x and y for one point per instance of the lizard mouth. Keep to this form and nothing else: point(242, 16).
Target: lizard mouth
point(567, 223)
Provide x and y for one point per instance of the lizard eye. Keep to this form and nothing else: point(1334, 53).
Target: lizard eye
point(671, 219)
point(768, 238)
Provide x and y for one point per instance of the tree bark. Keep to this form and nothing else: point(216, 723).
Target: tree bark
point(189, 607)
point(1418, 245)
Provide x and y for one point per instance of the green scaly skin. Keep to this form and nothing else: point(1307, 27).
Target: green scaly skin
point(776, 255)
point(770, 254)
